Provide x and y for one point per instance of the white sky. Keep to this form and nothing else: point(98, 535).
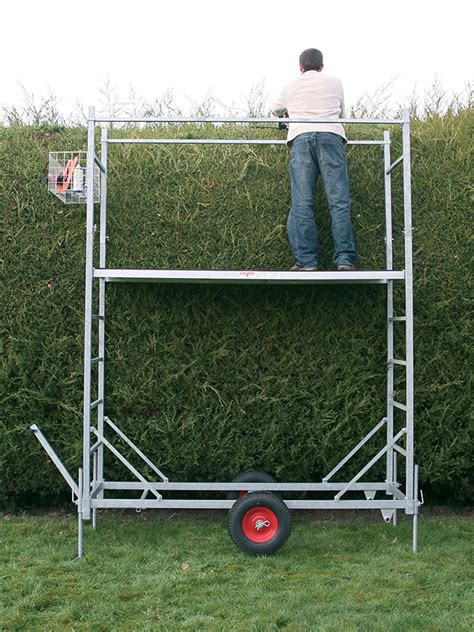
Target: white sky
point(194, 47)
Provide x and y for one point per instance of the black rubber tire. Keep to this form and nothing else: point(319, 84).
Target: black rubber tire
point(250, 476)
point(256, 501)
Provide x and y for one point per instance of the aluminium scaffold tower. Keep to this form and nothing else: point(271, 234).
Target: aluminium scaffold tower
point(259, 520)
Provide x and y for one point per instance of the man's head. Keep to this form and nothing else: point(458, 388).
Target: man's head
point(311, 59)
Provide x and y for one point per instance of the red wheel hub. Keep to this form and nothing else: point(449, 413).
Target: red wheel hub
point(260, 524)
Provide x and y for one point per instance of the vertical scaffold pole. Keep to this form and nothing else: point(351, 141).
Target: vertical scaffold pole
point(409, 310)
point(415, 514)
point(94, 480)
point(102, 286)
point(394, 517)
point(80, 526)
point(390, 312)
point(86, 473)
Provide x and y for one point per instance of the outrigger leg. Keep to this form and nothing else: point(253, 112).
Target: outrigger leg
point(77, 488)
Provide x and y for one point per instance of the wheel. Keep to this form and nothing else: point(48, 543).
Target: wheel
point(259, 523)
point(249, 476)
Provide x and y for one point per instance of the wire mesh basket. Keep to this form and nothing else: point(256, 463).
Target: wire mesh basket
point(67, 177)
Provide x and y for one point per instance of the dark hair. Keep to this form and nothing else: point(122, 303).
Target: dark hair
point(311, 59)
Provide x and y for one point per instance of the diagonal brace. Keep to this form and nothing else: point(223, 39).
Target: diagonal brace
point(367, 467)
point(347, 458)
point(128, 441)
point(55, 459)
point(128, 465)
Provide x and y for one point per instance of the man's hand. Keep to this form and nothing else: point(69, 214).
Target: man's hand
point(283, 115)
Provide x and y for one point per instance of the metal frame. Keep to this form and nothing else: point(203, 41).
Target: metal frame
point(90, 494)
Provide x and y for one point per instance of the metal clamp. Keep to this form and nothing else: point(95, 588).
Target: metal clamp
point(422, 501)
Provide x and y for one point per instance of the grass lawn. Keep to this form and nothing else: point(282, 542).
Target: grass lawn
point(346, 574)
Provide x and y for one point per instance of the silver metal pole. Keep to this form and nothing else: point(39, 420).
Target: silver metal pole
point(394, 517)
point(102, 291)
point(367, 467)
point(93, 486)
point(129, 466)
point(388, 202)
point(415, 514)
point(55, 459)
point(389, 264)
point(89, 274)
point(216, 141)
point(179, 120)
point(80, 524)
point(137, 503)
point(129, 442)
point(408, 305)
point(354, 450)
point(366, 486)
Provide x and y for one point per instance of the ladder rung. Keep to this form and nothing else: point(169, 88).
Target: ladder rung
point(398, 405)
point(396, 319)
point(400, 362)
point(97, 317)
point(96, 403)
point(96, 360)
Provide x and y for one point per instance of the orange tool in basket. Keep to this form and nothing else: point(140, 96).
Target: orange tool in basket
point(65, 177)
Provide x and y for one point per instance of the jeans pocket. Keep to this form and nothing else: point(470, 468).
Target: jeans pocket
point(331, 152)
point(300, 153)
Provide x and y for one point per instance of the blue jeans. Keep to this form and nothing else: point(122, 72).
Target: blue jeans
point(314, 154)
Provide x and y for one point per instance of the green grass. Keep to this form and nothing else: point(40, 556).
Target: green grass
point(345, 575)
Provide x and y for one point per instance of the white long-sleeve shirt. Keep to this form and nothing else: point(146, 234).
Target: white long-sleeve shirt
point(312, 95)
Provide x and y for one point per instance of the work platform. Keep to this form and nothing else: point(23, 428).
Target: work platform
point(247, 276)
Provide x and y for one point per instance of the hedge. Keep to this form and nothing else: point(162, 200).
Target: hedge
point(211, 380)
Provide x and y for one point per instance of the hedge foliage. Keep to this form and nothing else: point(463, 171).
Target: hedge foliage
point(210, 380)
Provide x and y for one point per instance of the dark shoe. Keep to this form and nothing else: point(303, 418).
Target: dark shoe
point(345, 267)
point(298, 268)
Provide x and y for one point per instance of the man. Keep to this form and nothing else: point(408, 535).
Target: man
point(317, 149)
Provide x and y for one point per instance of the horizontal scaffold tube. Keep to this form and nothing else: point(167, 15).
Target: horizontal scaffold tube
point(216, 141)
point(202, 486)
point(161, 119)
point(130, 503)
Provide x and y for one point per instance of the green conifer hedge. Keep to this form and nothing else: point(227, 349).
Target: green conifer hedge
point(211, 380)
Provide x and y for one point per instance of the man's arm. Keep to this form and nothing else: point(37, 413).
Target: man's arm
point(279, 106)
point(342, 115)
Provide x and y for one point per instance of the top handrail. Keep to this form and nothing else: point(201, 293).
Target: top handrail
point(167, 119)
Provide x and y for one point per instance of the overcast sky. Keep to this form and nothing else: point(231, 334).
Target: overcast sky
point(225, 48)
